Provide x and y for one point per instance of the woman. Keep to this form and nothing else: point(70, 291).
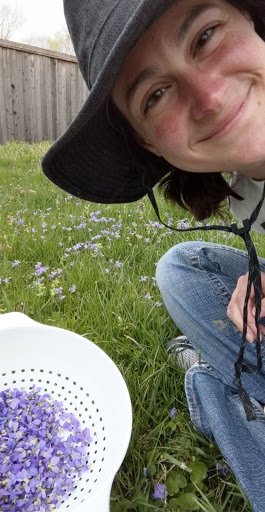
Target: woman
point(178, 90)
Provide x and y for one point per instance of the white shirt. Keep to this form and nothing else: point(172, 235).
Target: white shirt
point(251, 191)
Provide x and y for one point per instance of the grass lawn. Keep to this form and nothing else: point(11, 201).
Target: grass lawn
point(90, 268)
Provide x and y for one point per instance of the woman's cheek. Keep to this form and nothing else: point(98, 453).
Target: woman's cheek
point(169, 132)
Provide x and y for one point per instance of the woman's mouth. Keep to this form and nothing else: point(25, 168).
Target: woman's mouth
point(229, 121)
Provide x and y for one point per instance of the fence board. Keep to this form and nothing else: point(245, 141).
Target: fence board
point(41, 92)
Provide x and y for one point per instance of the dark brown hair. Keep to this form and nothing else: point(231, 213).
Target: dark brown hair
point(202, 194)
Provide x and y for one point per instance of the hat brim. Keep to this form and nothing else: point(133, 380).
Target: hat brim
point(88, 160)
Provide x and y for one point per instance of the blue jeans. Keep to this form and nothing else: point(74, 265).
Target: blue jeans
point(196, 281)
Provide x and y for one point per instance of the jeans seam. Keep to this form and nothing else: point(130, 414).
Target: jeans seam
point(216, 282)
point(218, 285)
point(190, 394)
point(195, 408)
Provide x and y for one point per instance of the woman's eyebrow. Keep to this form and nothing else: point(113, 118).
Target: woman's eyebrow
point(191, 17)
point(142, 77)
point(185, 26)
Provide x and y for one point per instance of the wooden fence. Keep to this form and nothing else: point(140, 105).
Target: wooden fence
point(41, 91)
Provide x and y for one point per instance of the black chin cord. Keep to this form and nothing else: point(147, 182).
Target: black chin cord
point(254, 279)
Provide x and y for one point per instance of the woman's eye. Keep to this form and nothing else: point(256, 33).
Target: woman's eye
point(153, 99)
point(205, 37)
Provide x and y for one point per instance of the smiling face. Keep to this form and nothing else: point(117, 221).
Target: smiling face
point(193, 89)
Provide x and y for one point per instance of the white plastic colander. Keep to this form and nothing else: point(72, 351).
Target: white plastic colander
point(76, 372)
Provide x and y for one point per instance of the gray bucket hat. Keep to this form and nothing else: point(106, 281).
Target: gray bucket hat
point(89, 159)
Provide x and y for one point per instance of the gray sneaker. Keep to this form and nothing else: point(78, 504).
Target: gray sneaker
point(182, 349)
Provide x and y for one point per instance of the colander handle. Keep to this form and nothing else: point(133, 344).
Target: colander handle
point(14, 319)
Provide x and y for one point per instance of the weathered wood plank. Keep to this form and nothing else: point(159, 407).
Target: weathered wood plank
point(5, 43)
point(41, 92)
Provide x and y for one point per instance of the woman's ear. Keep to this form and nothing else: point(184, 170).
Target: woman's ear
point(147, 145)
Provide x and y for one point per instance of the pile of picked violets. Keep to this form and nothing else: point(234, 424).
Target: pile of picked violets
point(42, 451)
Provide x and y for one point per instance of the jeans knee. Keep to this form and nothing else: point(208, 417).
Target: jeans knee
point(174, 258)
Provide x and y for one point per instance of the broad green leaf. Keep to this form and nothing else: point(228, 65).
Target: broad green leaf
point(199, 471)
point(186, 501)
point(172, 486)
point(172, 425)
point(151, 469)
point(173, 503)
point(181, 480)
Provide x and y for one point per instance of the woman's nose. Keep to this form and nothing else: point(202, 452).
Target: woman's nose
point(206, 93)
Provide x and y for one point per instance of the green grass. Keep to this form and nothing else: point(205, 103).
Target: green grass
point(120, 312)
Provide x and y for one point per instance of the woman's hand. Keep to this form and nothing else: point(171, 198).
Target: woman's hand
point(236, 306)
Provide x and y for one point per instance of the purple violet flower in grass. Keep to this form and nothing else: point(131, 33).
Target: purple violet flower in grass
point(160, 492)
point(223, 470)
point(15, 263)
point(60, 293)
point(40, 269)
point(173, 412)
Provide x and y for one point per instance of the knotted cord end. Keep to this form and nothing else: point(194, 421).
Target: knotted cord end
point(240, 231)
